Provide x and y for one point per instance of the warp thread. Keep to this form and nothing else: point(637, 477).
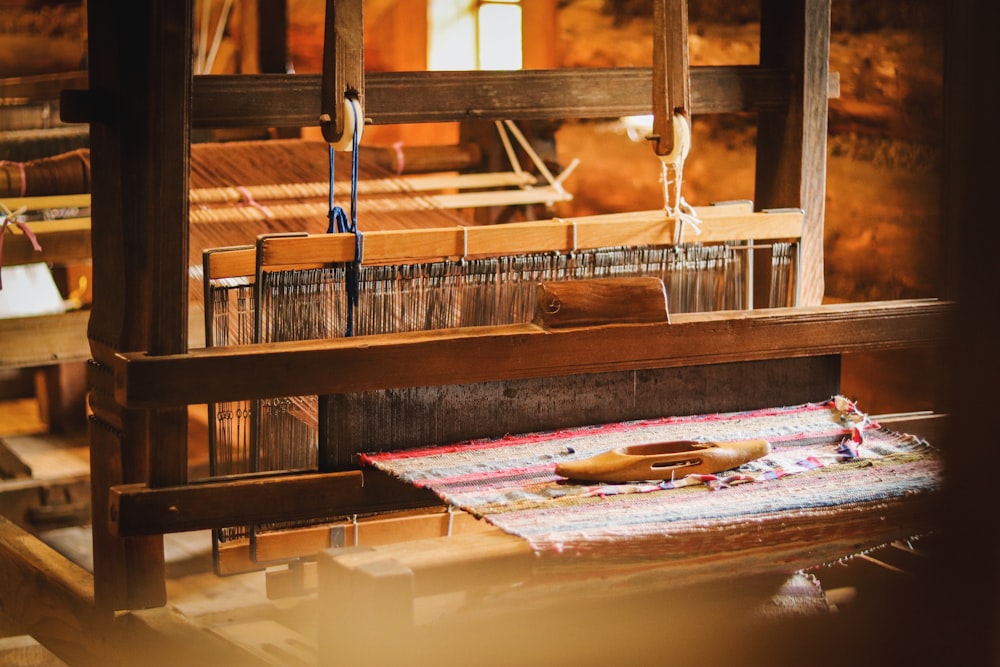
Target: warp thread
point(340, 224)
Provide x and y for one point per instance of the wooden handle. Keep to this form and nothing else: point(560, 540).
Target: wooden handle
point(575, 303)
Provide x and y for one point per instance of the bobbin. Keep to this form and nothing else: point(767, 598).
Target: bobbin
point(354, 122)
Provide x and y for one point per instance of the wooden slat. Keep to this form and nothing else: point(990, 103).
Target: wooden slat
point(48, 202)
point(137, 509)
point(62, 241)
point(575, 303)
point(293, 100)
point(44, 340)
point(41, 87)
point(390, 528)
point(279, 100)
point(480, 354)
point(233, 262)
point(640, 228)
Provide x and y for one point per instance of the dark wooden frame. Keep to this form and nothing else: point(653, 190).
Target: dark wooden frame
point(141, 105)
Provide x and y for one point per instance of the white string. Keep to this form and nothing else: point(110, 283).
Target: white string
point(220, 30)
point(673, 163)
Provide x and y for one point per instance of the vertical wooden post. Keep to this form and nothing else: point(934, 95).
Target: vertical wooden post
point(671, 79)
point(343, 65)
point(140, 81)
point(962, 607)
point(791, 142)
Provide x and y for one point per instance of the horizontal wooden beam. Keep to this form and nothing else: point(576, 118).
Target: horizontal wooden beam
point(61, 242)
point(284, 100)
point(41, 87)
point(384, 528)
point(44, 340)
point(480, 354)
point(136, 509)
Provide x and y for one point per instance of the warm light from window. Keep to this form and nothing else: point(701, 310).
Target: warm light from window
point(452, 42)
point(474, 34)
point(500, 35)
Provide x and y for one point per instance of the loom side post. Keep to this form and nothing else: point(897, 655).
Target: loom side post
point(343, 69)
point(671, 86)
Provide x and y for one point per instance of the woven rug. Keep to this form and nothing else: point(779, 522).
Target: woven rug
point(835, 484)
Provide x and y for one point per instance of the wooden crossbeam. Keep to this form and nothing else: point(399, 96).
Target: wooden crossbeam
point(563, 235)
point(137, 509)
point(480, 354)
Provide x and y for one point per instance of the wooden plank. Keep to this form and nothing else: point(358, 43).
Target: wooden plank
point(42, 87)
point(47, 596)
point(137, 509)
point(480, 354)
point(62, 241)
point(279, 100)
point(294, 543)
point(44, 340)
point(564, 235)
point(50, 457)
point(48, 202)
point(574, 303)
point(11, 465)
point(43, 504)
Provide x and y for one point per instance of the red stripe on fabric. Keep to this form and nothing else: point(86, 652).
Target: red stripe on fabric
point(472, 477)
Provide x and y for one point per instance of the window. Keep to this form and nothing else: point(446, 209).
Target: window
point(474, 34)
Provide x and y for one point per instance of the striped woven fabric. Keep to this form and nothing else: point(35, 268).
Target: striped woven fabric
point(834, 484)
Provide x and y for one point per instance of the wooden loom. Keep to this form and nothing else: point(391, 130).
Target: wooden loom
point(144, 375)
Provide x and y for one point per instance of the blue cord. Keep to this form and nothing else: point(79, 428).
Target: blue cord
point(340, 224)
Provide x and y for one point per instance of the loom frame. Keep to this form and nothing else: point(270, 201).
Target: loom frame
point(142, 104)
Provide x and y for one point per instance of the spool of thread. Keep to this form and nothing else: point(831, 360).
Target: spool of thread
point(68, 173)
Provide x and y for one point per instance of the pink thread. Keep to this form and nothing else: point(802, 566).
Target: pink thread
point(248, 198)
point(27, 232)
point(400, 158)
